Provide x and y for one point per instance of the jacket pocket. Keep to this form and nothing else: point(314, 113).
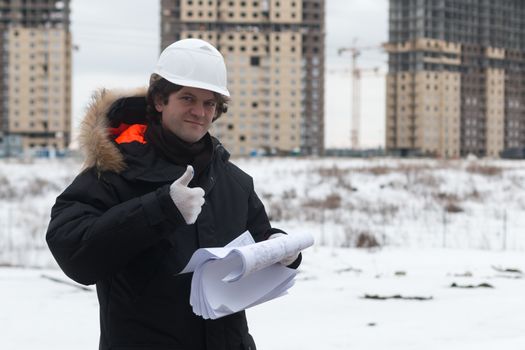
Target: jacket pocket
point(141, 271)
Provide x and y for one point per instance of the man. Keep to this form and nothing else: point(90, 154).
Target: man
point(156, 187)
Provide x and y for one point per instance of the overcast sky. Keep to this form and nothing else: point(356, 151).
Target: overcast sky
point(118, 44)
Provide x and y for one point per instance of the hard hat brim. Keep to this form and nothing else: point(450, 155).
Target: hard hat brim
point(192, 83)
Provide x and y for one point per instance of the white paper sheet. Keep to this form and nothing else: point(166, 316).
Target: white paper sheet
point(242, 274)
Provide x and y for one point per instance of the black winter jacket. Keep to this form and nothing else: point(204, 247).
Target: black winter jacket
point(117, 226)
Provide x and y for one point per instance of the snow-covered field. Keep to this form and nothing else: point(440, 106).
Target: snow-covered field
point(449, 233)
point(326, 309)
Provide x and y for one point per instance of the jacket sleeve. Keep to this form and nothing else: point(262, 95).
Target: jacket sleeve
point(93, 235)
point(258, 222)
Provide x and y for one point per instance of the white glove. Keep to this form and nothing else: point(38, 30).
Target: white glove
point(288, 260)
point(188, 200)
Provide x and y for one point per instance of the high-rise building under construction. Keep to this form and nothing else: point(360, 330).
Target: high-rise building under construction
point(274, 51)
point(456, 81)
point(35, 75)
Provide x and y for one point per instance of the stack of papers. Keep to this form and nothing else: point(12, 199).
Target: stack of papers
point(242, 274)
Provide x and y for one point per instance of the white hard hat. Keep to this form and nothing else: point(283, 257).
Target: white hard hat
point(193, 63)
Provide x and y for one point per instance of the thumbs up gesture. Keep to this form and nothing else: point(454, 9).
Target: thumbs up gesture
point(188, 200)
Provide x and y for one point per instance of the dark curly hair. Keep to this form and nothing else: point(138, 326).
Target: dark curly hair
point(160, 87)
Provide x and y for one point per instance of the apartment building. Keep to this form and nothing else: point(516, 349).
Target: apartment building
point(456, 81)
point(274, 52)
point(35, 76)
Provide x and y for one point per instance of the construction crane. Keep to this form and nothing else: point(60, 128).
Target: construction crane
point(356, 89)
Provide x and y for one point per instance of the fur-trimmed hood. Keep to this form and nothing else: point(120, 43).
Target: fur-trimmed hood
point(95, 138)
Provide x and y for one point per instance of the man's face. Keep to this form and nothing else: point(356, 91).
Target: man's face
point(188, 113)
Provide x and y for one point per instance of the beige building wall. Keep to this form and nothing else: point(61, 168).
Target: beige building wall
point(39, 82)
point(424, 107)
point(246, 13)
point(438, 108)
point(423, 112)
point(199, 10)
point(495, 111)
point(450, 105)
point(285, 92)
point(277, 11)
point(402, 117)
point(426, 100)
point(289, 11)
point(424, 44)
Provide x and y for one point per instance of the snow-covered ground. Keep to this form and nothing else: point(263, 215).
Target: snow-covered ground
point(326, 309)
point(437, 223)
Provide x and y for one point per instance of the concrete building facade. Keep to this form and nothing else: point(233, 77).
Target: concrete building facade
point(274, 52)
point(35, 73)
point(456, 81)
